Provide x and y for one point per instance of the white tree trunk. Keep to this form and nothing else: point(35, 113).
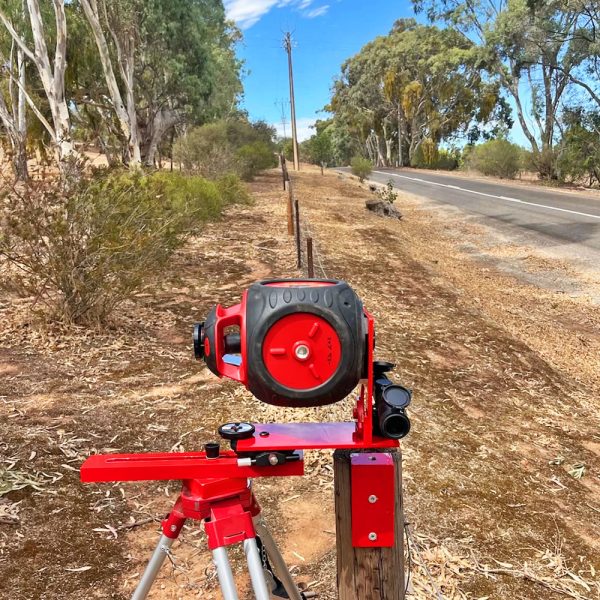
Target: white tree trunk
point(13, 120)
point(162, 122)
point(125, 46)
point(127, 117)
point(51, 76)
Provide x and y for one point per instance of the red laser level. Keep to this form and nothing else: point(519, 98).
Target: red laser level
point(304, 343)
point(296, 343)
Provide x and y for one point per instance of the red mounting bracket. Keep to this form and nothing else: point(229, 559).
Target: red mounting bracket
point(372, 480)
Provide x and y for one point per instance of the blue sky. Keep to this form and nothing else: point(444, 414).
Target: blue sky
point(326, 32)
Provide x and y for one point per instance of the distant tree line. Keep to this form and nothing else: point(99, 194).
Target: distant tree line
point(409, 96)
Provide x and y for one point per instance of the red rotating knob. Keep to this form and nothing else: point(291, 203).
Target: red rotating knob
point(301, 351)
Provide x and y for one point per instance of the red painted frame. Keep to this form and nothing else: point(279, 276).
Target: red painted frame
point(161, 466)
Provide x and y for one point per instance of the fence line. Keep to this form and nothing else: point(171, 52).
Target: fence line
point(299, 225)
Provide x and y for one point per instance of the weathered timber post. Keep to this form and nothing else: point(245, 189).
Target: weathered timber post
point(283, 169)
point(298, 234)
point(310, 267)
point(368, 573)
point(290, 209)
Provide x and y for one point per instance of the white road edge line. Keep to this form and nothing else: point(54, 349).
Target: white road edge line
point(506, 198)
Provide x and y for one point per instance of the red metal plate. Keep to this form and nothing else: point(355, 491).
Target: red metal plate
point(373, 495)
point(176, 465)
point(309, 436)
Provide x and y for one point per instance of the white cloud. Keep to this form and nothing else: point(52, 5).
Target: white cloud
point(304, 126)
point(317, 12)
point(248, 12)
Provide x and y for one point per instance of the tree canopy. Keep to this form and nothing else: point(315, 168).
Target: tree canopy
point(419, 84)
point(539, 51)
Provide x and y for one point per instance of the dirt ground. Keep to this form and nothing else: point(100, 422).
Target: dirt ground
point(501, 470)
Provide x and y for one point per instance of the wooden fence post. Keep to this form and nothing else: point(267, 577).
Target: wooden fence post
point(310, 267)
point(283, 169)
point(290, 210)
point(298, 234)
point(366, 573)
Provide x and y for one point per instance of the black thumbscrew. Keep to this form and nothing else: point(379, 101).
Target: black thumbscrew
point(212, 450)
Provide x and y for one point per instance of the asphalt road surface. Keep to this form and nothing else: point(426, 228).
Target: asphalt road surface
point(551, 220)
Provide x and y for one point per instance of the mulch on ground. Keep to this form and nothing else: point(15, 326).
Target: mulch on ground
point(501, 469)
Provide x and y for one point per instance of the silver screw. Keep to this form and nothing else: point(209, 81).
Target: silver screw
point(273, 460)
point(373, 498)
point(372, 536)
point(302, 352)
point(173, 527)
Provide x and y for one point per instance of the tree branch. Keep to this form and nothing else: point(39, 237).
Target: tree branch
point(17, 38)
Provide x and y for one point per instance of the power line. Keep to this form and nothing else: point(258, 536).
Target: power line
point(282, 104)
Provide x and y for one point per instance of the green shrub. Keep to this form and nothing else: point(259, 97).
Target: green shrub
point(579, 156)
point(288, 150)
point(206, 151)
point(82, 251)
point(232, 190)
point(233, 146)
point(361, 167)
point(448, 160)
point(497, 157)
point(253, 158)
point(428, 156)
point(387, 194)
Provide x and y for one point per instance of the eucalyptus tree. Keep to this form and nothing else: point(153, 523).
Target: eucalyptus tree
point(532, 48)
point(50, 67)
point(121, 25)
point(136, 69)
point(419, 83)
point(13, 111)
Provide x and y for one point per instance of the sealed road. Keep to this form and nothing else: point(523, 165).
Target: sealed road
point(548, 219)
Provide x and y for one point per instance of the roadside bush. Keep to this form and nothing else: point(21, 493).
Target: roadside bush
point(497, 157)
point(233, 146)
point(445, 160)
point(205, 151)
point(253, 158)
point(361, 167)
point(288, 150)
point(83, 251)
point(232, 190)
point(387, 194)
point(579, 156)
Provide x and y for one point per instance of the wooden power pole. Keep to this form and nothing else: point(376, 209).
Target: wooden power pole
point(287, 44)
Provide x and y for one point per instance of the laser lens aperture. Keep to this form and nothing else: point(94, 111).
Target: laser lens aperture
point(396, 396)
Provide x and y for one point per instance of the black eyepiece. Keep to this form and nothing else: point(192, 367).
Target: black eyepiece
point(391, 401)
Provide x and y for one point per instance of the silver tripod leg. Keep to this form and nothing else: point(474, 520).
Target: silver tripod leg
point(224, 573)
point(255, 567)
point(276, 559)
point(158, 557)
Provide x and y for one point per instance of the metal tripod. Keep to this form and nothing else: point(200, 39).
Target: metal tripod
point(231, 515)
